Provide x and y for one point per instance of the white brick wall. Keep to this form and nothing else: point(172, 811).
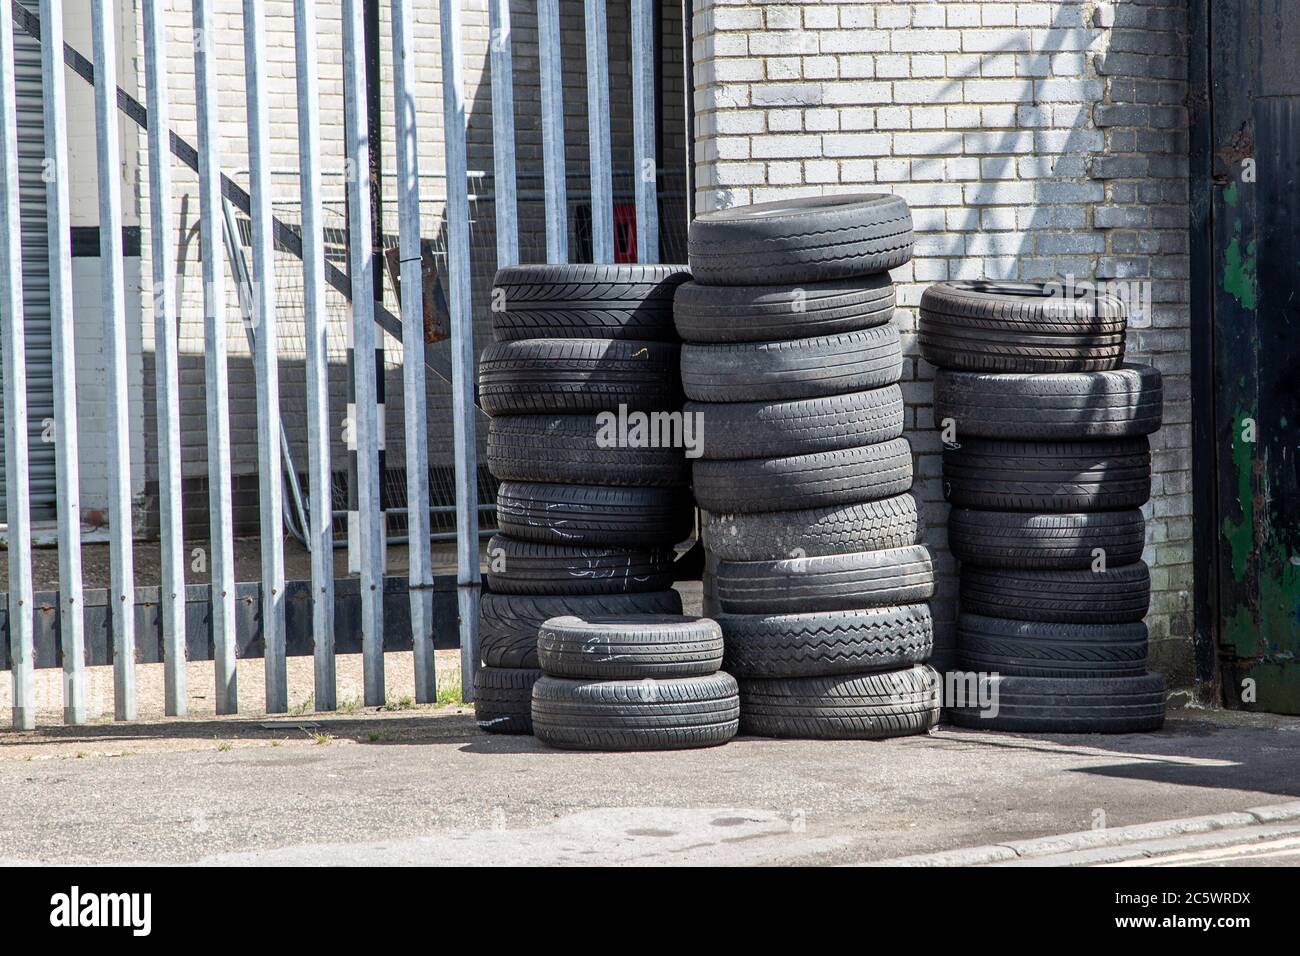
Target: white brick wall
point(1032, 140)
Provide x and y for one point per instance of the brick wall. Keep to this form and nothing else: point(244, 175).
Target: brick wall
point(1032, 140)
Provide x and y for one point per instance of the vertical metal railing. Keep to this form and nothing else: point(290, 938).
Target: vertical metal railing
point(598, 145)
point(501, 59)
point(556, 200)
point(464, 446)
point(646, 175)
point(364, 425)
point(320, 534)
point(22, 643)
point(117, 406)
point(266, 365)
point(166, 364)
point(72, 633)
point(419, 573)
point(216, 390)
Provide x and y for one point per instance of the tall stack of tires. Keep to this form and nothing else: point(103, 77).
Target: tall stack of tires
point(1046, 465)
point(792, 366)
point(647, 682)
point(587, 521)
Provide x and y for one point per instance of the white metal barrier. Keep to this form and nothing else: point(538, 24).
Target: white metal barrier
point(207, 159)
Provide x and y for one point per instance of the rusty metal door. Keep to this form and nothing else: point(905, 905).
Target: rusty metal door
point(1247, 221)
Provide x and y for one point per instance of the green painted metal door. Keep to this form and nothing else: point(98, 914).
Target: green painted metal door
point(1254, 257)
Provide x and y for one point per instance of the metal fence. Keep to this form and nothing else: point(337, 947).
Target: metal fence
point(227, 619)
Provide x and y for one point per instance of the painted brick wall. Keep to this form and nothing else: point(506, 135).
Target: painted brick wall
point(1032, 140)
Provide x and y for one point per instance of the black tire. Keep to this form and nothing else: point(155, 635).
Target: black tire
point(673, 714)
point(827, 642)
point(525, 567)
point(836, 582)
point(1117, 595)
point(1013, 539)
point(766, 313)
point(1068, 705)
point(585, 301)
point(994, 326)
point(814, 239)
point(795, 368)
point(993, 645)
point(1058, 407)
point(503, 699)
point(629, 647)
point(869, 526)
point(576, 376)
point(842, 707)
point(769, 429)
point(508, 623)
point(992, 475)
point(822, 479)
point(594, 514)
point(565, 448)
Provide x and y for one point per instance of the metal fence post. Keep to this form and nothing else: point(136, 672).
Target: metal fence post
point(365, 426)
point(122, 574)
point(22, 652)
point(320, 481)
point(266, 367)
point(503, 133)
point(167, 364)
point(598, 147)
point(67, 469)
point(216, 382)
point(643, 131)
point(555, 186)
point(464, 447)
point(419, 576)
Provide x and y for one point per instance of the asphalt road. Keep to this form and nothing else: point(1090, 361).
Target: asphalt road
point(425, 786)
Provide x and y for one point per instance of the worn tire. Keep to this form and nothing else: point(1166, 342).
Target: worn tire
point(731, 430)
point(793, 369)
point(835, 582)
point(813, 532)
point(525, 567)
point(508, 623)
point(822, 479)
point(579, 300)
point(564, 448)
point(503, 699)
point(827, 642)
point(629, 647)
point(551, 513)
point(672, 714)
point(993, 645)
point(993, 475)
point(578, 376)
point(767, 313)
point(1013, 539)
point(814, 239)
point(1062, 406)
point(842, 707)
point(994, 326)
point(1070, 705)
point(1117, 595)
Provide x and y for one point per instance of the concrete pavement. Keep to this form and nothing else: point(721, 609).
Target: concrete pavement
point(425, 786)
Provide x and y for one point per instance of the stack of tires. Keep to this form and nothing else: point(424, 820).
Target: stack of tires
point(587, 521)
point(649, 682)
point(792, 365)
point(1046, 465)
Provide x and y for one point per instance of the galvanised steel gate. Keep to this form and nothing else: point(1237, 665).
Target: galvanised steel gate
point(234, 608)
